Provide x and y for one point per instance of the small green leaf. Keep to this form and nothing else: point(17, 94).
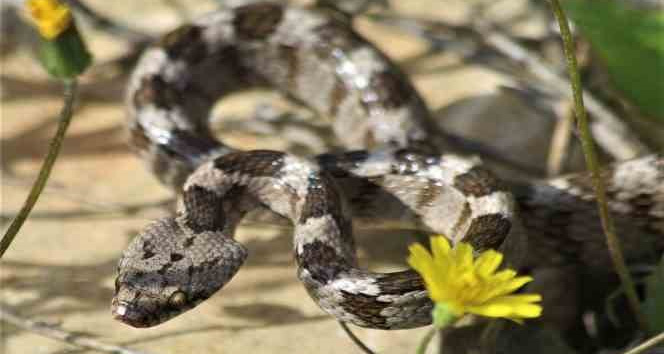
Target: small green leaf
point(630, 41)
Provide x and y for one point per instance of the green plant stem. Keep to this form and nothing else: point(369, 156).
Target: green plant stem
point(591, 161)
point(54, 149)
point(354, 338)
point(490, 335)
point(424, 344)
point(650, 343)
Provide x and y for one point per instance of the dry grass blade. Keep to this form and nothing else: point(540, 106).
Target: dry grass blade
point(649, 344)
point(355, 340)
point(58, 334)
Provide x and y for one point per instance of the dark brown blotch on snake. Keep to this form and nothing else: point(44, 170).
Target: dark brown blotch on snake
point(486, 231)
point(478, 182)
point(390, 90)
point(155, 90)
point(257, 21)
point(322, 261)
point(205, 211)
point(260, 163)
point(185, 43)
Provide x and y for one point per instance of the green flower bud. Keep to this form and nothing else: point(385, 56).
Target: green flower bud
point(65, 56)
point(63, 52)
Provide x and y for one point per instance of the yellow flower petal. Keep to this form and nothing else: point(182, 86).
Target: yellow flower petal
point(440, 247)
point(488, 262)
point(502, 287)
point(504, 275)
point(514, 284)
point(50, 16)
point(511, 311)
point(420, 259)
point(462, 284)
point(524, 297)
point(491, 310)
point(512, 306)
point(463, 255)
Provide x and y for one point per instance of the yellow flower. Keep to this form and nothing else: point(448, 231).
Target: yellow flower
point(463, 284)
point(51, 17)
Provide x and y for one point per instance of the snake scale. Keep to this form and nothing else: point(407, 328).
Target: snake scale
point(393, 174)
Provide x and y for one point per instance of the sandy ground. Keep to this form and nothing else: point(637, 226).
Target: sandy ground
point(61, 267)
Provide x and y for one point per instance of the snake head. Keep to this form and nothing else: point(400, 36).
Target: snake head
point(168, 269)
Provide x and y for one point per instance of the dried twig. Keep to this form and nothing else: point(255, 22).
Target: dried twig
point(121, 211)
point(649, 344)
point(104, 23)
point(488, 152)
point(58, 334)
point(354, 338)
point(611, 133)
point(424, 344)
point(562, 134)
point(83, 200)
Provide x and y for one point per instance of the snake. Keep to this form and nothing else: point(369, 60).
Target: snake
point(395, 171)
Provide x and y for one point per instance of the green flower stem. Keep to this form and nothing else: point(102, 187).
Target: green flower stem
point(424, 344)
point(54, 149)
point(490, 334)
point(442, 315)
point(592, 164)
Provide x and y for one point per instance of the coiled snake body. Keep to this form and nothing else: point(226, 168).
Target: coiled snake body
point(402, 179)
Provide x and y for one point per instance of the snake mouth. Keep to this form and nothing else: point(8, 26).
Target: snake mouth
point(125, 313)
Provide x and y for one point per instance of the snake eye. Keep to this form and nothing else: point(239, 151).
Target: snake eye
point(177, 299)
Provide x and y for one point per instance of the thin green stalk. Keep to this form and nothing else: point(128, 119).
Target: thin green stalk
point(424, 344)
point(650, 343)
point(354, 338)
point(47, 166)
point(490, 336)
point(591, 161)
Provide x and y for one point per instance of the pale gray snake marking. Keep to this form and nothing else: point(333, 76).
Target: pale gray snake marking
point(401, 180)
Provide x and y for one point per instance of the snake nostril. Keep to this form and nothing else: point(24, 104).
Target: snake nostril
point(120, 311)
point(123, 312)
